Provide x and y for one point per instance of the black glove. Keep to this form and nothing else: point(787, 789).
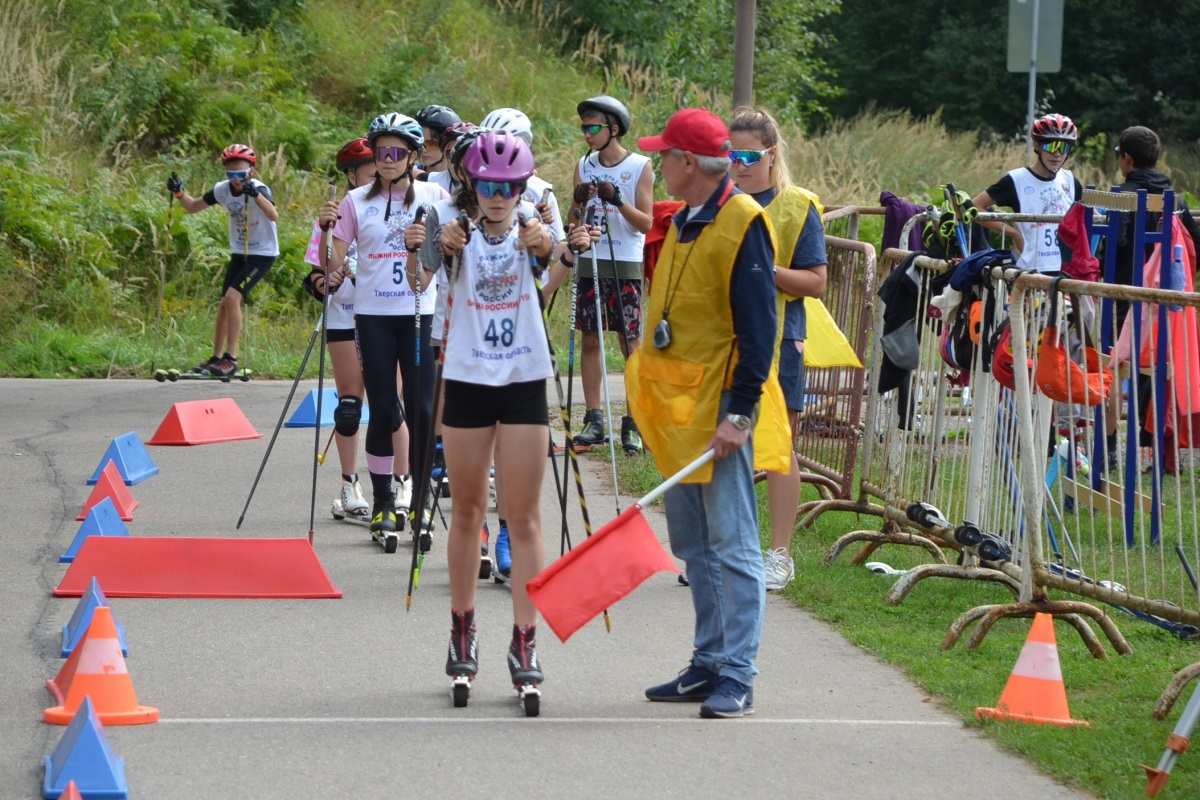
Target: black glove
point(310, 283)
point(609, 193)
point(174, 184)
point(249, 189)
point(582, 193)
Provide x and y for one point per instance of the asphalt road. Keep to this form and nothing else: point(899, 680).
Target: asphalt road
point(293, 699)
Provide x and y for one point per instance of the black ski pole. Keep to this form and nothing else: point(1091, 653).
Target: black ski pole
point(312, 506)
point(283, 413)
point(612, 449)
point(612, 256)
point(162, 279)
point(427, 465)
point(418, 516)
point(564, 409)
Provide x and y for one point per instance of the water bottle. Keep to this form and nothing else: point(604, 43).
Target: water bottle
point(1178, 281)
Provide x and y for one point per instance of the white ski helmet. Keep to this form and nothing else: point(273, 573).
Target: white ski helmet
point(511, 120)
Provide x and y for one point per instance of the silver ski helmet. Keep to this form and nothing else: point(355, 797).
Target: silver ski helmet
point(613, 110)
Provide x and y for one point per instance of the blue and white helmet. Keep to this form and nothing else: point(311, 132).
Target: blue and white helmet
point(511, 120)
point(394, 124)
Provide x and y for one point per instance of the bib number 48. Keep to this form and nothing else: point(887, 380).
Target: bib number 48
point(501, 338)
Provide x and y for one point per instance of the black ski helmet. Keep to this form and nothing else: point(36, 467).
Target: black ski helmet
point(613, 110)
point(437, 118)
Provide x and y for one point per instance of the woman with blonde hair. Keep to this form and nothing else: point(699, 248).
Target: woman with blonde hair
point(760, 169)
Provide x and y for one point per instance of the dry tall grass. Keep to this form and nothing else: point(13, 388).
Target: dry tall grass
point(31, 53)
point(854, 160)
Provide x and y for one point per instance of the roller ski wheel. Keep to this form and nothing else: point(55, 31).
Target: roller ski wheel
point(525, 669)
point(162, 375)
point(383, 523)
point(531, 699)
point(485, 568)
point(460, 690)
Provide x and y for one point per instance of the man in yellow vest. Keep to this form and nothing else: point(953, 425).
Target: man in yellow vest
point(713, 319)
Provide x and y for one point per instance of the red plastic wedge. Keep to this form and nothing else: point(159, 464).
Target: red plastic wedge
point(204, 422)
point(112, 486)
point(148, 566)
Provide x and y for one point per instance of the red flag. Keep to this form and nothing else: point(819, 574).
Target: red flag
point(608, 565)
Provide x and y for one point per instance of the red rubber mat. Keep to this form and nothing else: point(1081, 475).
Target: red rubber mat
point(146, 566)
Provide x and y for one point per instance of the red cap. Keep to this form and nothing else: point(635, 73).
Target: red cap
point(694, 130)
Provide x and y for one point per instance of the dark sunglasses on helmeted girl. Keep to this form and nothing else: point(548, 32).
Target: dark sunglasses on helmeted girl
point(1058, 146)
point(747, 157)
point(506, 189)
point(391, 154)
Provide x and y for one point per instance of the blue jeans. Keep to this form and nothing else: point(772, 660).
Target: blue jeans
point(713, 528)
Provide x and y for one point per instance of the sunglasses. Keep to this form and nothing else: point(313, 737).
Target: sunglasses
point(593, 129)
point(237, 175)
point(747, 157)
point(391, 154)
point(1056, 147)
point(506, 189)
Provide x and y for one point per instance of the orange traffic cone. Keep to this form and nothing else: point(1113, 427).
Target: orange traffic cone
point(97, 669)
point(1035, 691)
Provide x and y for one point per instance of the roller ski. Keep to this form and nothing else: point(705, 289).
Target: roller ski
point(525, 670)
point(462, 662)
point(383, 523)
point(350, 505)
point(422, 534)
point(173, 375)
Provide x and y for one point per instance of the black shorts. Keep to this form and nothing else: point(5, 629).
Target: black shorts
point(469, 405)
point(339, 335)
point(628, 307)
point(242, 276)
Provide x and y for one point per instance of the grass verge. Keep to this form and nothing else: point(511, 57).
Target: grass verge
point(1115, 696)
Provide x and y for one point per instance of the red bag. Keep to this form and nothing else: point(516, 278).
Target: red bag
point(1058, 376)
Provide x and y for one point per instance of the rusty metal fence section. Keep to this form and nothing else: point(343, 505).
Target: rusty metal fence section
point(830, 429)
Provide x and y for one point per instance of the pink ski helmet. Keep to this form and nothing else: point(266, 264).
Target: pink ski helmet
point(498, 156)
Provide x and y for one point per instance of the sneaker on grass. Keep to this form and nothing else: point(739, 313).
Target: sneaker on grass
point(779, 567)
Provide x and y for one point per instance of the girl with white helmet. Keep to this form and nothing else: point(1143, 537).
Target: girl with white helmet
point(357, 163)
point(496, 363)
point(376, 217)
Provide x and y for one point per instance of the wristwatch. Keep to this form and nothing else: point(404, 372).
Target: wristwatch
point(739, 421)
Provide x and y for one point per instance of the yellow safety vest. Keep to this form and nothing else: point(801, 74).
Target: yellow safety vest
point(675, 394)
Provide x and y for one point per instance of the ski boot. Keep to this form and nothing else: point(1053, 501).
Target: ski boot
point(422, 533)
point(383, 522)
point(462, 663)
point(404, 493)
point(503, 556)
point(485, 561)
point(203, 367)
point(350, 504)
point(593, 430)
point(525, 670)
point(631, 440)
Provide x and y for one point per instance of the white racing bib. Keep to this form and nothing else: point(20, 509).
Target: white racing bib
point(496, 336)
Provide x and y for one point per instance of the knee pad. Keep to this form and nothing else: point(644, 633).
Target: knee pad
point(347, 414)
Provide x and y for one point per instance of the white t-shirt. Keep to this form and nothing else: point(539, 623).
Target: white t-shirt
point(1041, 251)
point(534, 188)
point(431, 255)
point(627, 241)
point(341, 302)
point(264, 239)
point(496, 335)
point(442, 179)
point(382, 283)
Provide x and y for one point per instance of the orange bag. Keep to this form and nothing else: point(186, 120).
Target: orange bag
point(1058, 376)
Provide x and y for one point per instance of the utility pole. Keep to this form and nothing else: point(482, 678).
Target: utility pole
point(743, 54)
